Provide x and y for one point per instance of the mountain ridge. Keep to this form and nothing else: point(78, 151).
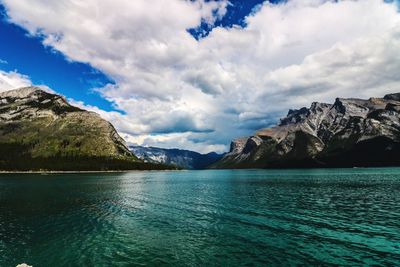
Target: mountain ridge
point(40, 130)
point(182, 158)
point(350, 132)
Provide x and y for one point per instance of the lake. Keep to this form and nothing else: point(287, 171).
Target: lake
point(202, 218)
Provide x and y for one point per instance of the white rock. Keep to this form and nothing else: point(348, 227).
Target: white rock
point(20, 93)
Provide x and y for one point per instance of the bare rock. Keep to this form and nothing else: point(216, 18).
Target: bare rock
point(349, 132)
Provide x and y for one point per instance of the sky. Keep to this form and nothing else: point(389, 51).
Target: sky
point(197, 74)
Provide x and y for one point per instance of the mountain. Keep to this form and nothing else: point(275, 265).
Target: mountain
point(347, 133)
point(42, 131)
point(182, 158)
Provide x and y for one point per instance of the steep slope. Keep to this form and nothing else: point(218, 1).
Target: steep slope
point(40, 130)
point(185, 159)
point(348, 133)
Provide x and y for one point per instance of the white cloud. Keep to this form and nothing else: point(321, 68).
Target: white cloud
point(177, 91)
point(367, 67)
point(174, 140)
point(11, 80)
point(14, 80)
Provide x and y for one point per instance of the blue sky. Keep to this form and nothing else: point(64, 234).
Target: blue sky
point(76, 80)
point(236, 12)
point(44, 65)
point(196, 74)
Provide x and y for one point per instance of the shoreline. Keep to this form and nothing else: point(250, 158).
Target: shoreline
point(180, 170)
point(77, 172)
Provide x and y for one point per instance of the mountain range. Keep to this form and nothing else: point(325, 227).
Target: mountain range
point(40, 130)
point(348, 133)
point(185, 159)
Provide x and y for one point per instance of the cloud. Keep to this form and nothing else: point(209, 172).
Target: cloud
point(367, 67)
point(11, 80)
point(178, 91)
point(175, 140)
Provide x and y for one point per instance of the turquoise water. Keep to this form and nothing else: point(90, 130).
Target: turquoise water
point(202, 218)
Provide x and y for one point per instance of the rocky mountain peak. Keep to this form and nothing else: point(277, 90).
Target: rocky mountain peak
point(23, 92)
point(349, 132)
point(295, 116)
point(238, 144)
point(395, 97)
point(318, 107)
point(30, 102)
point(39, 129)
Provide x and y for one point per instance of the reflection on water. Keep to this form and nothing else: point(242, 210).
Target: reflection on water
point(241, 217)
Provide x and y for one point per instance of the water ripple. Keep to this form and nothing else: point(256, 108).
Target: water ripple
point(202, 218)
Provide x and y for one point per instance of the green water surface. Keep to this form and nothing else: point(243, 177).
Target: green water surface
point(202, 218)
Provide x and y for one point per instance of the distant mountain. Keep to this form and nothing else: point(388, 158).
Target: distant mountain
point(182, 158)
point(348, 133)
point(42, 131)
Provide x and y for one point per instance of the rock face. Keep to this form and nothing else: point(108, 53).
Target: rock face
point(347, 133)
point(185, 159)
point(42, 131)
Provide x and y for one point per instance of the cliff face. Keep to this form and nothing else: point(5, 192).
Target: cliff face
point(40, 130)
point(350, 132)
